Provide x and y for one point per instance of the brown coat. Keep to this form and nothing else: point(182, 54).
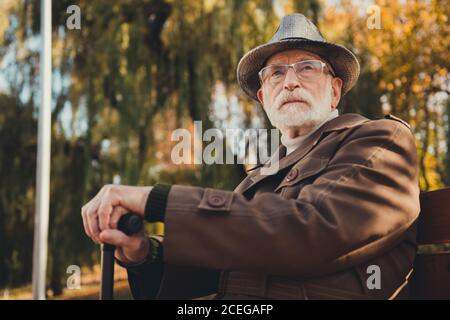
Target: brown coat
point(345, 201)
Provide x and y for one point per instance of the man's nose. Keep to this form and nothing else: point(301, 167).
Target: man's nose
point(291, 81)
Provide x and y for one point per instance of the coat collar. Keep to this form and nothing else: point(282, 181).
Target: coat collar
point(341, 122)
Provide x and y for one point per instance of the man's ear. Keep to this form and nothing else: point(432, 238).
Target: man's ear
point(336, 90)
point(260, 96)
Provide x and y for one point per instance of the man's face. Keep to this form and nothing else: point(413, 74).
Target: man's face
point(295, 103)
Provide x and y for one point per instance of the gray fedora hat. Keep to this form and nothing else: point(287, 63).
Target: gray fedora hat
point(297, 32)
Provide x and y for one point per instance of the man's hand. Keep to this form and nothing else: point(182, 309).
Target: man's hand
point(129, 249)
point(105, 209)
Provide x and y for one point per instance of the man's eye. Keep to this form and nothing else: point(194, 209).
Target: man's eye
point(277, 73)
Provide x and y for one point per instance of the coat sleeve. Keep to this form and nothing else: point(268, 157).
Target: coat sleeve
point(144, 282)
point(359, 206)
point(157, 280)
point(144, 278)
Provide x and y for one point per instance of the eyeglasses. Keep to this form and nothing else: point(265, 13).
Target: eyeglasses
point(307, 70)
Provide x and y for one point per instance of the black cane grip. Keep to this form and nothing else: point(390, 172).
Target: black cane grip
point(130, 223)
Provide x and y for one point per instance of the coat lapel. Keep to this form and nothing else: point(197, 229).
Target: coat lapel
point(339, 123)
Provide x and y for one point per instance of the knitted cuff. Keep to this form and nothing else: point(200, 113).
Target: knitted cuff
point(155, 207)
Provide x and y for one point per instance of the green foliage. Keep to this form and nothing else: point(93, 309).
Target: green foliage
point(139, 69)
point(134, 72)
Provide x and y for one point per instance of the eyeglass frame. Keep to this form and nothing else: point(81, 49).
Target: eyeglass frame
point(323, 64)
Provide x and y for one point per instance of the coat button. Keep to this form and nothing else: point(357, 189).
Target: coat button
point(292, 174)
point(216, 201)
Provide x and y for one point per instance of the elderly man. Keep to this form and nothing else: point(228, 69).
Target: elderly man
point(335, 221)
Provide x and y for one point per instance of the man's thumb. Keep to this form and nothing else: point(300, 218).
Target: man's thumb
point(114, 237)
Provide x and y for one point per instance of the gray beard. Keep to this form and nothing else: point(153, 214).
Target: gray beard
point(300, 115)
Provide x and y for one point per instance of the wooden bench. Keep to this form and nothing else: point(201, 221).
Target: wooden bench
point(431, 276)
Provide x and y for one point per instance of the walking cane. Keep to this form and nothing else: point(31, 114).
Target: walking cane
point(129, 224)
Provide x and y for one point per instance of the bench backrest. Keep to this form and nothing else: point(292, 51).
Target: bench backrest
point(431, 277)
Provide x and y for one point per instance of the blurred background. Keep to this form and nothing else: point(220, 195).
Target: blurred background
point(137, 70)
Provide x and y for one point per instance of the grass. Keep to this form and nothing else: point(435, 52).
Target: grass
point(89, 287)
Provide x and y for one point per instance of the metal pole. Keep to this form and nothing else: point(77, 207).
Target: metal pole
point(43, 156)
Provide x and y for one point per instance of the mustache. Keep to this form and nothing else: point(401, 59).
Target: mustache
point(291, 96)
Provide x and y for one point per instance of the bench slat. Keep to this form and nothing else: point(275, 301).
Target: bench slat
point(434, 219)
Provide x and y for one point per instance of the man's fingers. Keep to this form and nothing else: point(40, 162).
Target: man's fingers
point(85, 223)
point(103, 211)
point(93, 226)
point(104, 215)
point(108, 202)
point(89, 215)
point(116, 238)
point(130, 249)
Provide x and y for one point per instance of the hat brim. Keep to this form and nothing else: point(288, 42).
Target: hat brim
point(342, 60)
